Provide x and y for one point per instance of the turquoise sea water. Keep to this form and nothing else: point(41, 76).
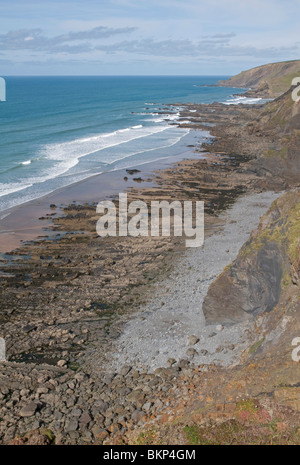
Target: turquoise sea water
point(55, 131)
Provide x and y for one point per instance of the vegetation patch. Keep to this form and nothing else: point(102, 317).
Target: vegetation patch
point(276, 153)
point(148, 437)
point(234, 432)
point(285, 231)
point(256, 346)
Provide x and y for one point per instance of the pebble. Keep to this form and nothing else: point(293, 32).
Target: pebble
point(61, 363)
point(125, 370)
point(29, 409)
point(171, 362)
point(71, 426)
point(193, 340)
point(191, 352)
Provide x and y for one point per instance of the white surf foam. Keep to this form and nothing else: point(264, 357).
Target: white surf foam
point(170, 143)
point(244, 100)
point(6, 189)
point(71, 151)
point(66, 155)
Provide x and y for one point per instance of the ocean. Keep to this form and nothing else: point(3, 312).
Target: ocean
point(55, 131)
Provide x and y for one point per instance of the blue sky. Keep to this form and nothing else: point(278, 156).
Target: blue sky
point(183, 37)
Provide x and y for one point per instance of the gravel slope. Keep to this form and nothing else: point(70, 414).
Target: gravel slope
point(162, 329)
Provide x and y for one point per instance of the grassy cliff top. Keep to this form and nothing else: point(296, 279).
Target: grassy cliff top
point(274, 78)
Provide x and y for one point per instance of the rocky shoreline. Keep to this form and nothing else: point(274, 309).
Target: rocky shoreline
point(66, 302)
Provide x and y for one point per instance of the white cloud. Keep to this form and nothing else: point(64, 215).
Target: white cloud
point(174, 33)
point(34, 39)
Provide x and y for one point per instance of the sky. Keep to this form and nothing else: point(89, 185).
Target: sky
point(138, 37)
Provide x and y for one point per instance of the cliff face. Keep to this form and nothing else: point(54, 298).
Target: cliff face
point(280, 121)
point(267, 265)
point(270, 80)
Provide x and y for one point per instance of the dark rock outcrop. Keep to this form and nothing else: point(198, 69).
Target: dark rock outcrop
point(250, 287)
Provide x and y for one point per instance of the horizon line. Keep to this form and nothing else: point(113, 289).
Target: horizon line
point(115, 75)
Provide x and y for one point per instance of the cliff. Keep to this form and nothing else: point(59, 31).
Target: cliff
point(279, 121)
point(257, 400)
point(269, 261)
point(271, 80)
point(267, 265)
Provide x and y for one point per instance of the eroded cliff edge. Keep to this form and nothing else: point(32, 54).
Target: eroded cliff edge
point(269, 262)
point(269, 81)
point(266, 271)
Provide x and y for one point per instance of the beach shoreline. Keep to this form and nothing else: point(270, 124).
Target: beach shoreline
point(23, 222)
point(66, 301)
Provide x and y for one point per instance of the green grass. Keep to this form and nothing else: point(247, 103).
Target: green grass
point(276, 153)
point(73, 366)
point(147, 437)
point(285, 231)
point(50, 435)
point(256, 346)
point(233, 432)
